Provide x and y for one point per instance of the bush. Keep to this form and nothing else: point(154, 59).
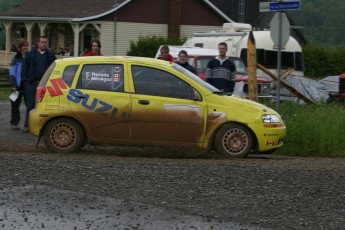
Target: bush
point(313, 130)
point(148, 46)
point(321, 62)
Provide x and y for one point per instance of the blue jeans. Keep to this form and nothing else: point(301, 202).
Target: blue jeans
point(30, 96)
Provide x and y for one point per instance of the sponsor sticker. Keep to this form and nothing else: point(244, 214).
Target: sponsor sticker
point(270, 143)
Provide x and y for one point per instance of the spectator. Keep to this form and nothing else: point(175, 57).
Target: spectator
point(15, 80)
point(165, 54)
point(221, 70)
point(61, 51)
point(67, 53)
point(95, 48)
point(34, 66)
point(183, 61)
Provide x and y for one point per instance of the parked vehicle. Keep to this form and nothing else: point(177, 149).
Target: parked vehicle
point(145, 101)
point(236, 37)
point(199, 57)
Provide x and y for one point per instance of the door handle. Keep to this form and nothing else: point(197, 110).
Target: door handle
point(144, 102)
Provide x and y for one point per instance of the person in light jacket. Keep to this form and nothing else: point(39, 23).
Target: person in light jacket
point(16, 82)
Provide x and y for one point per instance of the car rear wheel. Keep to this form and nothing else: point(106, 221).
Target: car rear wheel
point(64, 135)
point(234, 140)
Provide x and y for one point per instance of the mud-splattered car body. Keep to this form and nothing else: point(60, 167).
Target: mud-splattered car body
point(132, 100)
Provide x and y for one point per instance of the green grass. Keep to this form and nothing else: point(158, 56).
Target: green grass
point(313, 130)
point(5, 93)
point(4, 79)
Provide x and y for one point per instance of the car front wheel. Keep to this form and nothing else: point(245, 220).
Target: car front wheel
point(234, 140)
point(64, 135)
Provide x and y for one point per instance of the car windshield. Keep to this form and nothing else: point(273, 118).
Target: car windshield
point(195, 78)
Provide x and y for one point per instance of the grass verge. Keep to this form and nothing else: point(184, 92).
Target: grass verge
point(313, 130)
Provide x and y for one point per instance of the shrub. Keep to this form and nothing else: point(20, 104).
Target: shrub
point(321, 62)
point(313, 130)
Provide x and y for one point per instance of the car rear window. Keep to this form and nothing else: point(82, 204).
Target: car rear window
point(104, 77)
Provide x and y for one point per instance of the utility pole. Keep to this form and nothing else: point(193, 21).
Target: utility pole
point(241, 10)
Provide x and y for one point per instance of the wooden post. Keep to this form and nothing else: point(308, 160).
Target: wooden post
point(251, 60)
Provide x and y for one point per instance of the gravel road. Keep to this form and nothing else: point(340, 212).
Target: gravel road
point(146, 188)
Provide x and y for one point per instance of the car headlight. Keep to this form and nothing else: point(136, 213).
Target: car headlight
point(270, 118)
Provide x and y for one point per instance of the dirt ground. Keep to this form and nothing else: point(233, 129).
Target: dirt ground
point(154, 188)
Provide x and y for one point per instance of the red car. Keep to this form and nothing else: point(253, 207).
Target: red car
point(200, 64)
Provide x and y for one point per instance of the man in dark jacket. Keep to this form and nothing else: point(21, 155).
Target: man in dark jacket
point(34, 66)
point(221, 70)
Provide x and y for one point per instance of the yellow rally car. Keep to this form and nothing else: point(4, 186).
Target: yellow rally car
point(144, 101)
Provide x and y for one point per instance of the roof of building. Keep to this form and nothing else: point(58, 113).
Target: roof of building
point(74, 10)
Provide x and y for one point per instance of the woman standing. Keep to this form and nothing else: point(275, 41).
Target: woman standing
point(95, 48)
point(15, 80)
point(183, 61)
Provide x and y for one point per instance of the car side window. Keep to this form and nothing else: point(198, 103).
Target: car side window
point(69, 73)
point(156, 82)
point(104, 77)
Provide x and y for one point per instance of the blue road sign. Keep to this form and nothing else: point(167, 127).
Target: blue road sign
point(277, 6)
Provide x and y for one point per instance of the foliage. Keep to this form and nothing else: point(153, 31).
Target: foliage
point(313, 130)
point(321, 62)
point(148, 46)
point(6, 5)
point(321, 22)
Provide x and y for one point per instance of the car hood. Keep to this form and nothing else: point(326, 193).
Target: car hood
point(238, 109)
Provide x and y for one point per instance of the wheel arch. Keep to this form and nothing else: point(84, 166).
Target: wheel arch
point(255, 144)
point(64, 117)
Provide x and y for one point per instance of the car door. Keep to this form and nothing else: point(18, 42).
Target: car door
point(100, 101)
point(163, 109)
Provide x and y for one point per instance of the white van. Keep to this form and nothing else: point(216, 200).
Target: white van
point(199, 57)
point(236, 36)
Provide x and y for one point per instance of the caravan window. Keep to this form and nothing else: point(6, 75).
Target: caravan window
point(268, 58)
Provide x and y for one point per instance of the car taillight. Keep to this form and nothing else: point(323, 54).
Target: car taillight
point(40, 92)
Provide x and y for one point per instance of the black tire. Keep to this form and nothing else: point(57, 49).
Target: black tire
point(63, 135)
point(234, 140)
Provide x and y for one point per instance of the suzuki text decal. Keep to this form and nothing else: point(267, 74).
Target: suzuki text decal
point(77, 96)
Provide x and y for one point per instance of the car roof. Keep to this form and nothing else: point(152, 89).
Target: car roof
point(99, 59)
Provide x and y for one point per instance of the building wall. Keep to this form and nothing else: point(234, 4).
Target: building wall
point(128, 31)
point(107, 38)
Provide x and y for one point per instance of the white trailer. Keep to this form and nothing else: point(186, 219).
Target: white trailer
point(236, 36)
